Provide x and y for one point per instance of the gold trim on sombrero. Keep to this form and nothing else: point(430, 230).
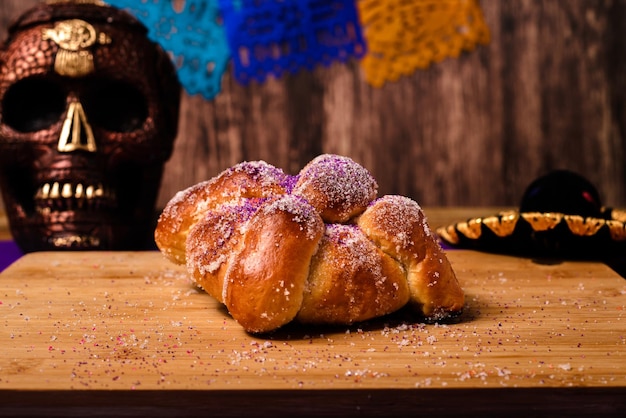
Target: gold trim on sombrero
point(449, 234)
point(471, 229)
point(542, 221)
point(619, 215)
point(503, 224)
point(584, 226)
point(617, 230)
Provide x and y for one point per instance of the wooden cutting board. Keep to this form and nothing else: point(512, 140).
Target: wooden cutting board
point(127, 331)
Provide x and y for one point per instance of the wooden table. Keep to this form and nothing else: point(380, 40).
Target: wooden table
point(126, 333)
point(4, 227)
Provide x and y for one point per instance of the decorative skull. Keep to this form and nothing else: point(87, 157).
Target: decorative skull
point(89, 114)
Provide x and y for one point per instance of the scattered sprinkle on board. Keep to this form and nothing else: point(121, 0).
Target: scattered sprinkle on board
point(110, 323)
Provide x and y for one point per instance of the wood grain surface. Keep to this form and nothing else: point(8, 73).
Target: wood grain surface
point(129, 332)
point(548, 92)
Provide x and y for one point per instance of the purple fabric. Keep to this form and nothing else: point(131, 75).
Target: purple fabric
point(445, 246)
point(9, 252)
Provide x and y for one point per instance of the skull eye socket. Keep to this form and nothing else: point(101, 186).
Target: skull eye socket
point(115, 106)
point(33, 104)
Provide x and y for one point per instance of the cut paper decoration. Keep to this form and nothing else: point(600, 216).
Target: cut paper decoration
point(272, 37)
point(191, 31)
point(403, 36)
point(264, 38)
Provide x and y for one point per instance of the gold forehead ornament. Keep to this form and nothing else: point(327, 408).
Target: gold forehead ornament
point(74, 38)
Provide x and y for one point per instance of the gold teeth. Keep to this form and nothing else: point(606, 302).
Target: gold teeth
point(75, 241)
point(58, 190)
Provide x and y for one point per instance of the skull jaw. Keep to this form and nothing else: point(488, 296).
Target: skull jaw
point(117, 214)
point(40, 235)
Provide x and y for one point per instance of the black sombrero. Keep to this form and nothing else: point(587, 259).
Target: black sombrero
point(560, 216)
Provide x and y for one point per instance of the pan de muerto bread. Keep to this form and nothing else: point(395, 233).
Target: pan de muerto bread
point(318, 247)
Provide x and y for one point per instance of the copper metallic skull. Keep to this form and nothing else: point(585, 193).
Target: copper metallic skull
point(89, 113)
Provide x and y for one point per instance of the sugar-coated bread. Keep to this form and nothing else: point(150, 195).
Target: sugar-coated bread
point(255, 179)
point(318, 247)
point(336, 186)
point(397, 225)
point(267, 277)
point(213, 242)
point(351, 280)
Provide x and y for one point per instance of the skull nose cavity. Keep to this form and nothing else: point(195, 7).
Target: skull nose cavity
point(76, 133)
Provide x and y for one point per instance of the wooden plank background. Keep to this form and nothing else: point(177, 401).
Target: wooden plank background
point(548, 92)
